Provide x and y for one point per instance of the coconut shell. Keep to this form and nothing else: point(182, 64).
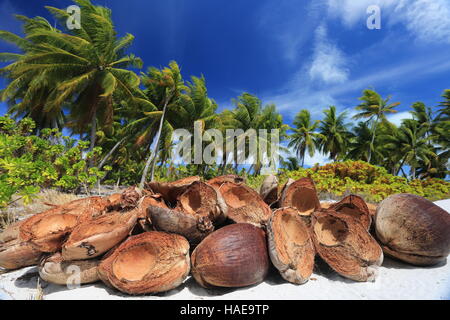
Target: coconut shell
point(15, 254)
point(346, 246)
point(93, 238)
point(245, 205)
point(354, 207)
point(301, 195)
point(147, 263)
point(291, 248)
point(200, 199)
point(145, 202)
point(269, 189)
point(413, 229)
point(54, 269)
point(48, 230)
point(233, 256)
point(217, 182)
point(128, 199)
point(193, 227)
point(171, 190)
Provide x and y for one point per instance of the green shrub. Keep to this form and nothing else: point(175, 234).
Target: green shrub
point(29, 162)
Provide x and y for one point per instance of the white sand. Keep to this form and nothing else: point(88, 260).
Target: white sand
point(395, 280)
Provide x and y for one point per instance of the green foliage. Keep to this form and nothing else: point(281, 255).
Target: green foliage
point(358, 177)
point(29, 162)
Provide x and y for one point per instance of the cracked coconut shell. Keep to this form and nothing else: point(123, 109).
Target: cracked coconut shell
point(55, 269)
point(93, 238)
point(346, 246)
point(126, 200)
point(354, 207)
point(291, 248)
point(150, 262)
point(199, 208)
point(413, 229)
point(171, 190)
point(14, 253)
point(143, 220)
point(233, 256)
point(218, 181)
point(245, 205)
point(302, 195)
point(269, 189)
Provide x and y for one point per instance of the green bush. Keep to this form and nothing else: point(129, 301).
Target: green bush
point(358, 177)
point(29, 162)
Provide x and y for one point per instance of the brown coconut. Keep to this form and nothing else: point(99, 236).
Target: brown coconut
point(193, 227)
point(200, 199)
point(93, 238)
point(149, 200)
point(301, 195)
point(171, 190)
point(218, 181)
point(150, 262)
point(233, 256)
point(291, 248)
point(269, 189)
point(413, 229)
point(54, 269)
point(354, 207)
point(346, 246)
point(14, 253)
point(128, 199)
point(245, 205)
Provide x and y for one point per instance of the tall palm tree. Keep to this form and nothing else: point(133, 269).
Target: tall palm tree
point(374, 108)
point(304, 139)
point(412, 144)
point(334, 134)
point(88, 66)
point(163, 91)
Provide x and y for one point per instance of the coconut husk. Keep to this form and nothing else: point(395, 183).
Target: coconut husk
point(54, 269)
point(291, 248)
point(354, 207)
point(217, 182)
point(302, 195)
point(147, 263)
point(269, 189)
point(128, 199)
point(233, 256)
point(171, 190)
point(11, 232)
point(346, 246)
point(193, 227)
point(143, 221)
point(92, 238)
point(413, 229)
point(200, 199)
point(48, 230)
point(85, 208)
point(245, 205)
point(15, 254)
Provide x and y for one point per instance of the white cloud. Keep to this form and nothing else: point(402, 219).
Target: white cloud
point(329, 63)
point(426, 20)
point(397, 118)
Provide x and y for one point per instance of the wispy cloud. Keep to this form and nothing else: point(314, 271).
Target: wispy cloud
point(426, 20)
point(329, 63)
point(398, 117)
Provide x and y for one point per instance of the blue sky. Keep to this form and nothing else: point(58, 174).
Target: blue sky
point(297, 54)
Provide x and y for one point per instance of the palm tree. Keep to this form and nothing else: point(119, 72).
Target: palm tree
point(27, 97)
point(412, 144)
point(163, 90)
point(304, 139)
point(374, 108)
point(291, 164)
point(249, 114)
point(360, 142)
point(88, 67)
point(334, 134)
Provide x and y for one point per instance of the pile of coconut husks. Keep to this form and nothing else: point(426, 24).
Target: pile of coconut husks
point(224, 233)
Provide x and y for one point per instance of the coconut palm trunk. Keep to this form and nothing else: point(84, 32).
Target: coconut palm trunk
point(93, 137)
point(102, 163)
point(151, 160)
point(373, 139)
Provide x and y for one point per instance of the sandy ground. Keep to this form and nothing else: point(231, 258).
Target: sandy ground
point(395, 280)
